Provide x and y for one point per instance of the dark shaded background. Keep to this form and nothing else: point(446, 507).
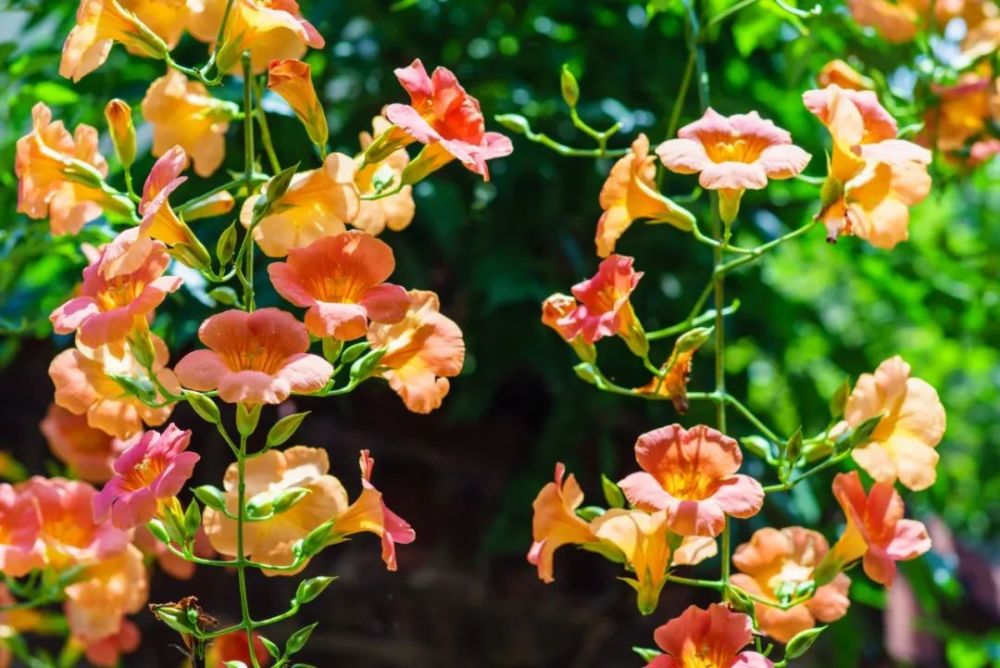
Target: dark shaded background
point(465, 476)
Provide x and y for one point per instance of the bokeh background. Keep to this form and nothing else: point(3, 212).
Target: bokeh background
point(813, 314)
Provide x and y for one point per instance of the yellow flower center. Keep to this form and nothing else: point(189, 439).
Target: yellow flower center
point(688, 485)
point(119, 293)
point(734, 149)
point(336, 288)
point(253, 357)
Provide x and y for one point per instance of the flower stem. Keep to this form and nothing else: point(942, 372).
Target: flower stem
point(248, 297)
point(265, 130)
point(241, 566)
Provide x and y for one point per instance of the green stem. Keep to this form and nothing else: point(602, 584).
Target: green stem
point(758, 252)
point(729, 11)
point(675, 114)
point(247, 279)
point(693, 582)
point(228, 185)
point(227, 12)
point(241, 568)
point(265, 130)
point(822, 466)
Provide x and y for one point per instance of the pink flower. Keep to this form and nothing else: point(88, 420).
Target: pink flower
point(604, 308)
point(445, 118)
point(21, 550)
point(89, 453)
point(709, 638)
point(108, 650)
point(254, 358)
point(108, 310)
point(692, 475)
point(152, 470)
point(733, 154)
point(340, 280)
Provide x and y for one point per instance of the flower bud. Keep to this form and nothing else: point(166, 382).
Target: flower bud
point(569, 86)
point(218, 204)
point(119, 116)
point(292, 80)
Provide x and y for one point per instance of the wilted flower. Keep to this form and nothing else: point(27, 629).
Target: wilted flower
point(269, 29)
point(913, 422)
point(21, 549)
point(691, 474)
point(733, 154)
point(49, 165)
point(253, 358)
point(604, 308)
point(150, 472)
point(445, 118)
point(89, 453)
point(99, 24)
point(107, 311)
point(183, 114)
point(709, 638)
point(422, 351)
point(108, 590)
point(85, 386)
point(317, 204)
point(876, 531)
point(778, 566)
point(839, 73)
point(555, 522)
point(292, 80)
point(677, 369)
point(393, 211)
point(341, 280)
point(630, 194)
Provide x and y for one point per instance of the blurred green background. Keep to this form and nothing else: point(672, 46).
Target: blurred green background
point(813, 314)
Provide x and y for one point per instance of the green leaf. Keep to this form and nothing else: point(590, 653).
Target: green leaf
point(802, 642)
point(284, 429)
point(299, 639)
point(309, 589)
point(211, 496)
point(612, 492)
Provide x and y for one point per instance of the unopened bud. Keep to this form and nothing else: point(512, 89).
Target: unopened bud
point(119, 116)
point(569, 86)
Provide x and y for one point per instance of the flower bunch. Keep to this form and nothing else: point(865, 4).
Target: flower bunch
point(682, 506)
point(83, 543)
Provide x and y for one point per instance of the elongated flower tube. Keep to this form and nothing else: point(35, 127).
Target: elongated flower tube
point(876, 532)
point(712, 638)
point(151, 471)
point(691, 474)
point(422, 351)
point(733, 154)
point(779, 566)
point(555, 522)
point(99, 24)
point(630, 194)
point(292, 80)
point(341, 280)
point(641, 538)
point(254, 358)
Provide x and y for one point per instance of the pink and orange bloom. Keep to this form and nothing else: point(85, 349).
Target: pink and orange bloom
point(292, 80)
point(733, 154)
point(630, 194)
point(151, 472)
point(21, 548)
point(443, 117)
point(88, 452)
point(712, 638)
point(896, 22)
point(874, 178)
point(841, 74)
point(913, 422)
point(876, 531)
point(341, 280)
point(57, 172)
point(555, 522)
point(422, 351)
point(691, 474)
point(779, 567)
point(318, 203)
point(107, 311)
point(254, 358)
point(110, 588)
point(99, 24)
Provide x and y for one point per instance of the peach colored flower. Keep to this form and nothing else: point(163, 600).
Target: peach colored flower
point(913, 422)
point(837, 72)
point(369, 514)
point(963, 111)
point(317, 204)
point(85, 386)
point(166, 18)
point(640, 540)
point(46, 159)
point(89, 453)
point(107, 651)
point(292, 80)
point(691, 474)
point(711, 638)
point(151, 471)
point(445, 118)
point(422, 351)
point(108, 311)
point(341, 280)
point(874, 178)
point(183, 114)
point(982, 36)
point(604, 308)
point(233, 646)
point(108, 590)
point(99, 24)
point(21, 549)
point(776, 565)
point(555, 522)
point(67, 529)
point(630, 194)
point(394, 211)
point(557, 311)
point(876, 531)
point(254, 358)
point(896, 22)
point(269, 29)
point(733, 154)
